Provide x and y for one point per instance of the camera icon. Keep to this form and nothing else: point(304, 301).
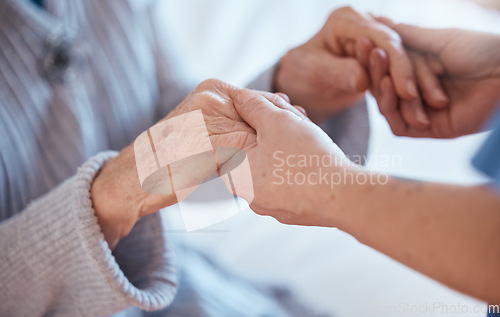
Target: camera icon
point(175, 156)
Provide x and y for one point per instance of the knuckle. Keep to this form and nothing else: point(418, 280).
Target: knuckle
point(252, 105)
point(254, 101)
point(210, 83)
point(206, 97)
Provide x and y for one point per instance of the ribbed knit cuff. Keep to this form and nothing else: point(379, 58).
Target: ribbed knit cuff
point(160, 289)
point(62, 244)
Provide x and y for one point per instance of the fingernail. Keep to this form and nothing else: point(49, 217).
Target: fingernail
point(411, 88)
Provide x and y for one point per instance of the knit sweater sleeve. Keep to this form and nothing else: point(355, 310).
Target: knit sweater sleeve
point(55, 261)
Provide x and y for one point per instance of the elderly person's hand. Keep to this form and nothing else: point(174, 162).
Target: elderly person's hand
point(468, 66)
point(117, 196)
point(321, 76)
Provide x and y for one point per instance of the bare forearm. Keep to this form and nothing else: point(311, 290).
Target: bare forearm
point(450, 233)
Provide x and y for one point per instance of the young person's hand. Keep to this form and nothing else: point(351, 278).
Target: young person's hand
point(467, 64)
point(412, 222)
point(286, 163)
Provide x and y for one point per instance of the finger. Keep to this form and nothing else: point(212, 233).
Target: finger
point(350, 49)
point(378, 70)
point(303, 112)
point(254, 108)
point(364, 46)
point(278, 101)
point(387, 39)
point(423, 39)
point(284, 96)
point(428, 82)
point(341, 73)
point(413, 113)
point(388, 106)
point(435, 64)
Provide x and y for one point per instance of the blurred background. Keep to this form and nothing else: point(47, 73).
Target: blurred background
point(235, 40)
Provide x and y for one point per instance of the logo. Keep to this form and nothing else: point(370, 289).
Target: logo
point(175, 156)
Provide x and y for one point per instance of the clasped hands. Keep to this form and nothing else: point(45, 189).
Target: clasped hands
point(423, 88)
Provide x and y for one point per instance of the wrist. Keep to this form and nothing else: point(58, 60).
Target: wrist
point(116, 196)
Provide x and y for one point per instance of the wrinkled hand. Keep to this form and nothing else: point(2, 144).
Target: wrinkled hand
point(467, 65)
point(321, 76)
point(225, 127)
point(118, 199)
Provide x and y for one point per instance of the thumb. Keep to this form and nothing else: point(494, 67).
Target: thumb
point(423, 39)
point(253, 108)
